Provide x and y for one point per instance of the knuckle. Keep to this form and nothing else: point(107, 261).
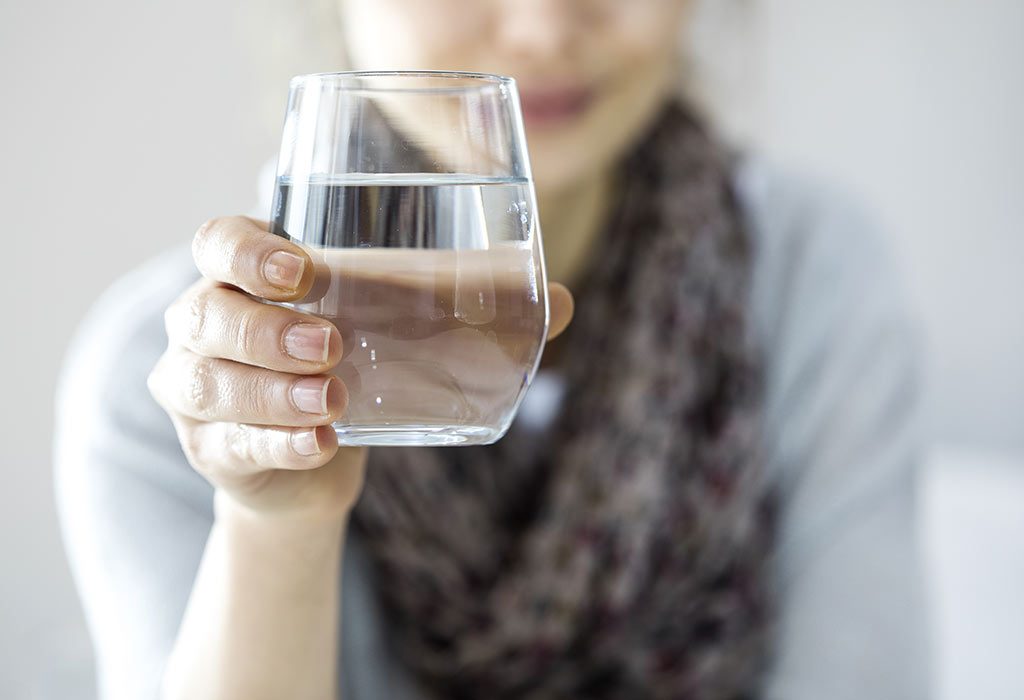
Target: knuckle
point(200, 304)
point(211, 450)
point(245, 254)
point(190, 438)
point(241, 439)
point(205, 235)
point(201, 385)
point(194, 446)
point(249, 396)
point(217, 245)
point(260, 395)
point(248, 331)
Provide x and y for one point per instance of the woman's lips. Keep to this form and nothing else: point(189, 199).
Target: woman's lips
point(553, 106)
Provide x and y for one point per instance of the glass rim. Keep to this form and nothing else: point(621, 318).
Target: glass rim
point(482, 80)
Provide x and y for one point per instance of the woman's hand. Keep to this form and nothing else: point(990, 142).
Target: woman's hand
point(247, 388)
point(246, 383)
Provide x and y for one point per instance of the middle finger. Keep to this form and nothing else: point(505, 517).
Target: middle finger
point(217, 321)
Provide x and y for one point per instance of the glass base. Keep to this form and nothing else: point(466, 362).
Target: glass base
point(415, 435)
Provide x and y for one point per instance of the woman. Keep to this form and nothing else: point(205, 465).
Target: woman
point(707, 494)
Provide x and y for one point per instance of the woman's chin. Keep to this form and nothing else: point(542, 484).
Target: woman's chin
point(559, 159)
point(552, 174)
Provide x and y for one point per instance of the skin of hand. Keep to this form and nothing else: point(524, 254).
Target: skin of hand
point(246, 384)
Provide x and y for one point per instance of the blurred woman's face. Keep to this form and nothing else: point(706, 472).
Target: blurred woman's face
point(591, 73)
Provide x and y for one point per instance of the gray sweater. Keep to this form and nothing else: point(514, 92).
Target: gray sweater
point(841, 437)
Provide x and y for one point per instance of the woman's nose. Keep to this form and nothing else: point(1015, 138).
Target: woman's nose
point(535, 28)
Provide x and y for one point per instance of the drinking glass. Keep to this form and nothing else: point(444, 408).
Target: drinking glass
point(412, 193)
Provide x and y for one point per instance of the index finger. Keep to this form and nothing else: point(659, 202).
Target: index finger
point(241, 251)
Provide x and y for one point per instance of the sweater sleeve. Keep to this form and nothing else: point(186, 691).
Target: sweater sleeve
point(843, 447)
point(134, 515)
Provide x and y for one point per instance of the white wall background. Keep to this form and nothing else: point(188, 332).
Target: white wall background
point(125, 124)
point(918, 106)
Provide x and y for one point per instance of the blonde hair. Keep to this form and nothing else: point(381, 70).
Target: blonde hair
point(718, 47)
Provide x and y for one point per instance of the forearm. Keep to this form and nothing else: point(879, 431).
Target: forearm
point(262, 620)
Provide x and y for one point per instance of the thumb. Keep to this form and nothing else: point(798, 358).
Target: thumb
point(561, 304)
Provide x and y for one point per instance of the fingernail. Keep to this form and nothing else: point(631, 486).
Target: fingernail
point(310, 395)
point(283, 269)
point(304, 442)
point(308, 341)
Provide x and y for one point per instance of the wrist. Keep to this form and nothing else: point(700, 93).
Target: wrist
point(235, 514)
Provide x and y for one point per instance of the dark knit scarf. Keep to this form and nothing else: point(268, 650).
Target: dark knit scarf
point(623, 556)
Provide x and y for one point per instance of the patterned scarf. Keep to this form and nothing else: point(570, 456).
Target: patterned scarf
point(623, 555)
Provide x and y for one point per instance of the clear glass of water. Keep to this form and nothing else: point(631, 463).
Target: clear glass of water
point(413, 195)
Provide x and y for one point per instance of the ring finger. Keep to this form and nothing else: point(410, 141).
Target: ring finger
point(212, 389)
